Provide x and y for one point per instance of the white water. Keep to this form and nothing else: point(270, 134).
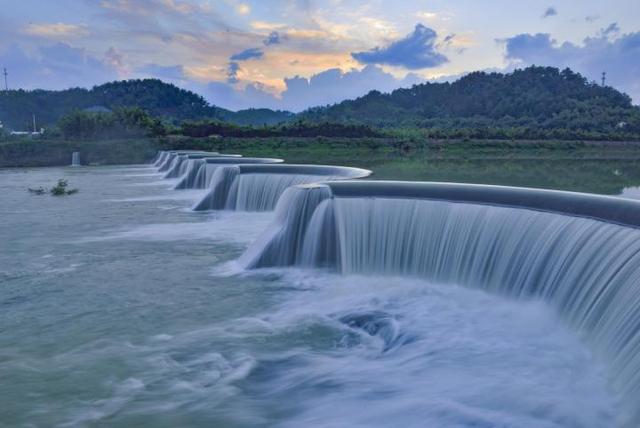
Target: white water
point(190, 178)
point(110, 318)
point(232, 190)
point(260, 192)
point(168, 162)
point(179, 167)
point(587, 270)
point(397, 352)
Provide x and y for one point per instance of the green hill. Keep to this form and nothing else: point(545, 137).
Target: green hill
point(533, 103)
point(541, 101)
point(157, 98)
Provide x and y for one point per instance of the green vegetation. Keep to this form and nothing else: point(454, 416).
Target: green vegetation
point(42, 152)
point(121, 123)
point(60, 189)
point(597, 167)
point(297, 129)
point(534, 103)
point(158, 99)
point(535, 110)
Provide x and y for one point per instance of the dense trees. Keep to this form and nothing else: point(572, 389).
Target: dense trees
point(296, 129)
point(157, 98)
point(536, 102)
point(533, 103)
point(121, 123)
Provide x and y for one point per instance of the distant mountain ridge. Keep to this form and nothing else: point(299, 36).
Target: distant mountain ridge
point(542, 97)
point(157, 98)
point(535, 102)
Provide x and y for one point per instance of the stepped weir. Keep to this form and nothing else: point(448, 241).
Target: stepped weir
point(579, 253)
point(258, 187)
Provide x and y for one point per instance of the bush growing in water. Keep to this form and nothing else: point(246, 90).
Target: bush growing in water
point(59, 189)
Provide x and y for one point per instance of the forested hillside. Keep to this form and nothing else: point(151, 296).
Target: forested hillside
point(541, 101)
point(533, 103)
point(158, 99)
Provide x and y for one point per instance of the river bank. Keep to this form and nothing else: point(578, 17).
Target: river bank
point(596, 167)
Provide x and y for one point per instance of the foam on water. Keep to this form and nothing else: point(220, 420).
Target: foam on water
point(377, 352)
point(586, 270)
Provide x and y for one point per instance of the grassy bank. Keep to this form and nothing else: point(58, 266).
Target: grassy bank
point(598, 167)
point(34, 152)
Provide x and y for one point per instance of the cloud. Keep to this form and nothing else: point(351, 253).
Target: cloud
point(620, 58)
point(57, 66)
point(114, 58)
point(611, 29)
point(551, 11)
point(164, 20)
point(243, 9)
point(415, 51)
point(232, 72)
point(591, 18)
point(327, 87)
point(273, 38)
point(251, 53)
point(57, 30)
point(172, 73)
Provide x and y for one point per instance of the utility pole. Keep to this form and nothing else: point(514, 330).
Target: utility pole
point(604, 77)
point(34, 123)
point(6, 85)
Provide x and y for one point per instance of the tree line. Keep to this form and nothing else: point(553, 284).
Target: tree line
point(532, 103)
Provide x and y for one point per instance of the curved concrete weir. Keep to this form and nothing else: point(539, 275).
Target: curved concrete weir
point(258, 187)
point(579, 253)
point(162, 155)
point(168, 161)
point(182, 163)
point(201, 171)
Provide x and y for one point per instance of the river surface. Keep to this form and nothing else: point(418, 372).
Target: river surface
point(117, 309)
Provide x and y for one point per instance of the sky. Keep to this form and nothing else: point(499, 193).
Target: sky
point(295, 54)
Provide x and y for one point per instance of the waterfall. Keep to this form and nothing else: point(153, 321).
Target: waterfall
point(258, 187)
point(75, 159)
point(156, 159)
point(221, 183)
point(162, 156)
point(190, 179)
point(168, 162)
point(199, 175)
point(178, 167)
point(280, 244)
point(578, 253)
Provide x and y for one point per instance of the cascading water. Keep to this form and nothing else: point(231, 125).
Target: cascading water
point(200, 173)
point(185, 163)
point(75, 159)
point(179, 167)
point(157, 157)
point(521, 245)
point(221, 182)
point(190, 177)
point(168, 163)
point(258, 187)
point(167, 160)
